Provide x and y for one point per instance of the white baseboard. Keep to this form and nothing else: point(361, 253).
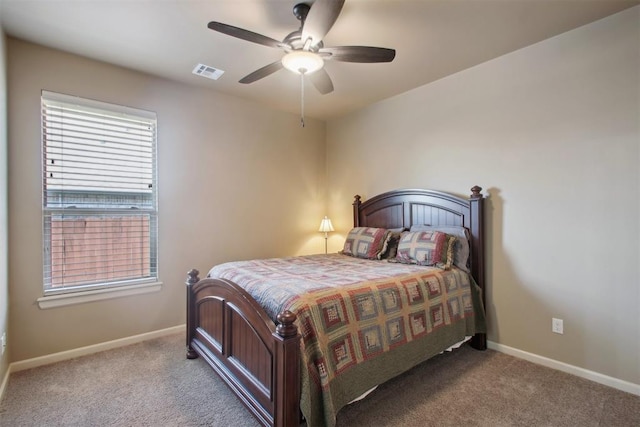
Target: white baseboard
point(83, 351)
point(5, 381)
point(564, 367)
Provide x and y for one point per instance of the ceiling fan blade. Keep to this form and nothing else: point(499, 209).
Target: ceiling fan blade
point(363, 54)
point(321, 81)
point(244, 34)
point(262, 72)
point(321, 17)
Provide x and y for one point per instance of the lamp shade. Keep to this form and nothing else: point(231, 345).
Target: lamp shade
point(325, 225)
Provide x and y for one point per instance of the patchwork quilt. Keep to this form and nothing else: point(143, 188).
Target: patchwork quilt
point(362, 322)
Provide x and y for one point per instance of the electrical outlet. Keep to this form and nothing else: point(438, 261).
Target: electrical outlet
point(557, 326)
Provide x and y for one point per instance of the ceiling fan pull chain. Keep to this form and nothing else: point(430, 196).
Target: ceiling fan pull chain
point(302, 97)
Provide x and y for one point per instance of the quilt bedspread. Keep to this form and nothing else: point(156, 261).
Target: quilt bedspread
point(275, 282)
point(362, 322)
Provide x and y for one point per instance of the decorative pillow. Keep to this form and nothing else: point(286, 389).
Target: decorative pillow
point(433, 248)
point(461, 246)
point(366, 242)
point(393, 238)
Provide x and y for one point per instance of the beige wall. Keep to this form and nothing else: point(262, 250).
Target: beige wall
point(219, 159)
point(552, 134)
point(4, 290)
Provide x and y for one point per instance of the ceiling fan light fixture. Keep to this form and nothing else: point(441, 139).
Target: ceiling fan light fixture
point(302, 62)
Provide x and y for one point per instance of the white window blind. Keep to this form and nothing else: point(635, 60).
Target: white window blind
point(99, 194)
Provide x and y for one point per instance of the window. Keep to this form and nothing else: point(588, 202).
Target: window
point(99, 195)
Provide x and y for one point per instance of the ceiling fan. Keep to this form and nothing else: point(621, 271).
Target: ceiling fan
point(305, 51)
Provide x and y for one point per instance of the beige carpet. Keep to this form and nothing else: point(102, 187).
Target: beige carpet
point(153, 384)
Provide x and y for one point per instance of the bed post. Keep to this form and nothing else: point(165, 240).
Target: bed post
point(476, 204)
point(287, 375)
point(191, 312)
point(356, 210)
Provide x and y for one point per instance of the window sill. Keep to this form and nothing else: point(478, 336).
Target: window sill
point(72, 298)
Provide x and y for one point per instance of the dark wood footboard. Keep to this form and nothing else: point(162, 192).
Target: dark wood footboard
point(257, 359)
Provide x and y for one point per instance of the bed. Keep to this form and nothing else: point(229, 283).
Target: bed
point(281, 365)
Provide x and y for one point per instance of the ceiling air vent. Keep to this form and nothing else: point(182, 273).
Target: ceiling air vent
point(207, 71)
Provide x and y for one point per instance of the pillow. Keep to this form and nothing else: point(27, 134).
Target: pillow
point(366, 242)
point(433, 248)
point(393, 238)
point(461, 246)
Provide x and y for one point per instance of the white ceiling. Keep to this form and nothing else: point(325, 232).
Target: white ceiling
point(432, 38)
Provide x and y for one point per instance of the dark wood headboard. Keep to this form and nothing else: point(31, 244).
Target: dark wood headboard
point(404, 208)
